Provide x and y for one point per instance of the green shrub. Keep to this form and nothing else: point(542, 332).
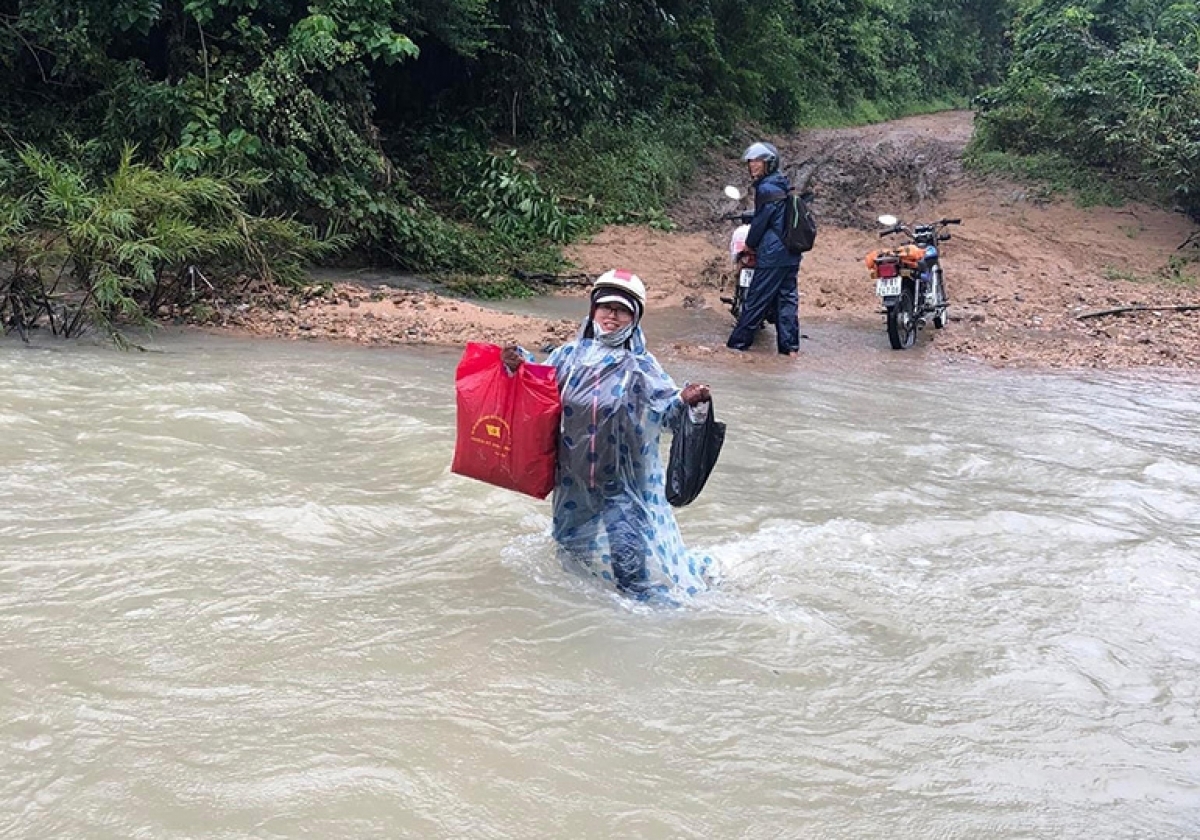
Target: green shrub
point(505, 195)
point(1112, 88)
point(628, 171)
point(111, 251)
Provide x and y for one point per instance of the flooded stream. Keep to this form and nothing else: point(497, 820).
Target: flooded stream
point(241, 595)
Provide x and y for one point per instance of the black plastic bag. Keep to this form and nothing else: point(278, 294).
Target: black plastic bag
point(694, 451)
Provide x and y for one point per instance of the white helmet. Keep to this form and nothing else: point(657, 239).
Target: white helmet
point(764, 152)
point(622, 285)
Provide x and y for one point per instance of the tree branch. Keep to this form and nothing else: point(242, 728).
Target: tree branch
point(32, 49)
point(1120, 310)
point(554, 279)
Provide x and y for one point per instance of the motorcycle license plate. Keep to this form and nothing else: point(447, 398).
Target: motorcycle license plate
point(745, 277)
point(887, 286)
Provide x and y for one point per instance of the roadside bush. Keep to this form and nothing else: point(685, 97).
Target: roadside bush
point(80, 251)
point(628, 171)
point(1108, 88)
point(506, 196)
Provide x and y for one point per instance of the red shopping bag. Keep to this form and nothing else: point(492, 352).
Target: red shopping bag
point(507, 424)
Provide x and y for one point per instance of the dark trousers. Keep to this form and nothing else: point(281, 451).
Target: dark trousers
point(772, 289)
point(628, 541)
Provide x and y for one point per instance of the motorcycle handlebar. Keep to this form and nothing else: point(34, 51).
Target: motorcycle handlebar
point(900, 228)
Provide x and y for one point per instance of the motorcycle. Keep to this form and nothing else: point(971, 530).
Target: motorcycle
point(909, 278)
point(742, 258)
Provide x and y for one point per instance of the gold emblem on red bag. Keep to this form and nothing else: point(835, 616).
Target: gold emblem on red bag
point(493, 431)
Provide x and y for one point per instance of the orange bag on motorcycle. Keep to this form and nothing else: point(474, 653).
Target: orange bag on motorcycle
point(888, 258)
point(910, 255)
point(507, 424)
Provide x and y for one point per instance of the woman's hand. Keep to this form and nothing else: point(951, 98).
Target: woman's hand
point(694, 394)
point(511, 357)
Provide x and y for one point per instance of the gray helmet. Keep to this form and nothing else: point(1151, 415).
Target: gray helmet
point(765, 152)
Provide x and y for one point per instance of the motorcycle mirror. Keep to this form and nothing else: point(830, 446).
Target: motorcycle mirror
point(733, 192)
point(888, 221)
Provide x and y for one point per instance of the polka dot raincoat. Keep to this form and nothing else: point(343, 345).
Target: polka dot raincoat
point(611, 516)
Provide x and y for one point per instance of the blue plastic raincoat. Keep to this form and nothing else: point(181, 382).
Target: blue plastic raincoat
point(611, 516)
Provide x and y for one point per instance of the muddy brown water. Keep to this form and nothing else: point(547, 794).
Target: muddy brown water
point(241, 595)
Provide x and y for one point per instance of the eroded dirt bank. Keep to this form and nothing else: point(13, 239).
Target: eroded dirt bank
point(1020, 270)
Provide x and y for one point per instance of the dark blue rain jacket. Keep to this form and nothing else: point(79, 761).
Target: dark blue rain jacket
point(766, 229)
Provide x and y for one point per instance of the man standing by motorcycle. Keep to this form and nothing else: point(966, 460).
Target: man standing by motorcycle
point(774, 288)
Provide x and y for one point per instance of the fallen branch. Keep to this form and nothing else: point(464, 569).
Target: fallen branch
point(554, 279)
point(1120, 310)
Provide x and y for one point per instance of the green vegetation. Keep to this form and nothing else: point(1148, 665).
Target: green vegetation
point(1112, 87)
point(488, 288)
point(1178, 269)
point(338, 99)
point(1123, 274)
point(1051, 174)
point(1181, 269)
point(79, 251)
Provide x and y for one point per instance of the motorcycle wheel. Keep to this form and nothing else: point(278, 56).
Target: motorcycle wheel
point(902, 322)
